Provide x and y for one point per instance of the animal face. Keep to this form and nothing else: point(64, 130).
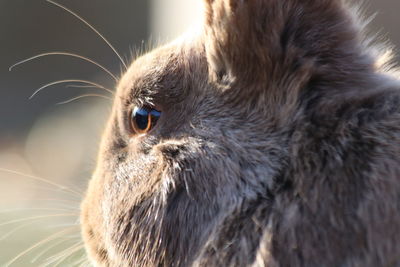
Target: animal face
point(187, 168)
point(234, 147)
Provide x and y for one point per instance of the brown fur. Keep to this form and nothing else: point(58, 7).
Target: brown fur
point(278, 145)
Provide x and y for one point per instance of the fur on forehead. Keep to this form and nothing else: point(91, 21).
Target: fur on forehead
point(165, 74)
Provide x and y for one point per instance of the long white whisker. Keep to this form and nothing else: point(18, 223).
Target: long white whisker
point(60, 53)
point(85, 263)
point(83, 96)
point(43, 241)
point(55, 244)
point(80, 86)
point(64, 188)
point(70, 81)
point(34, 209)
point(15, 229)
point(63, 255)
point(47, 188)
point(74, 204)
point(91, 27)
point(79, 261)
point(34, 218)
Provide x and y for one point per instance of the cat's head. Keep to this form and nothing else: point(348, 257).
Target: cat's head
point(199, 127)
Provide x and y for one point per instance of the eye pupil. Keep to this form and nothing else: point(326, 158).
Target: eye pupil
point(144, 119)
point(141, 117)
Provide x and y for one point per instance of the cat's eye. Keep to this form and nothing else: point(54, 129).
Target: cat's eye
point(143, 119)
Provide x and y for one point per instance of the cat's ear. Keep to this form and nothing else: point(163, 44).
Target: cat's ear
point(246, 40)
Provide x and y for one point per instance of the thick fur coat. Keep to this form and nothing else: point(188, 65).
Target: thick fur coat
point(278, 145)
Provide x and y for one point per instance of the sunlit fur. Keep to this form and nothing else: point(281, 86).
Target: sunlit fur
point(278, 145)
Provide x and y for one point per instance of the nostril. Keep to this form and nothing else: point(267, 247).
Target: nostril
point(171, 151)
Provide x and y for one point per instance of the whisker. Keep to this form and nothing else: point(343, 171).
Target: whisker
point(80, 261)
point(91, 27)
point(4, 237)
point(69, 81)
point(69, 224)
point(79, 86)
point(73, 204)
point(60, 53)
point(55, 244)
point(38, 244)
point(64, 188)
point(63, 255)
point(15, 229)
point(83, 96)
point(34, 209)
point(34, 218)
point(85, 263)
point(47, 188)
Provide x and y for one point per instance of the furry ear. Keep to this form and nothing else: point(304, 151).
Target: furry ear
point(232, 38)
point(250, 41)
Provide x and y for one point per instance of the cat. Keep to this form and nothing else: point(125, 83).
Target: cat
point(271, 138)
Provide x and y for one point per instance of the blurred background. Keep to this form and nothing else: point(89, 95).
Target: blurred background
point(48, 150)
